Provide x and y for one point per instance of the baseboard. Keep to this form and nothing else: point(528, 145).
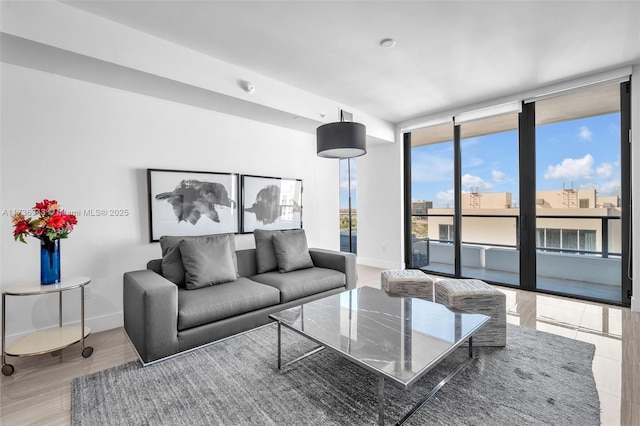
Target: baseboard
point(105, 322)
point(635, 304)
point(378, 263)
point(96, 324)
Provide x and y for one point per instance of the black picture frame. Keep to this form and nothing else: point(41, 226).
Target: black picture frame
point(272, 203)
point(186, 202)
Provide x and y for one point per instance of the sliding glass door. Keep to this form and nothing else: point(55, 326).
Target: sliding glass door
point(489, 199)
point(432, 199)
point(578, 194)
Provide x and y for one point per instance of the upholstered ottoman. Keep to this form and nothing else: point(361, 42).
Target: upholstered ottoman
point(407, 283)
point(478, 297)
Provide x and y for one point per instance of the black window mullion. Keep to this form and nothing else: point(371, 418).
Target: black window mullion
point(625, 190)
point(527, 164)
point(408, 249)
point(457, 203)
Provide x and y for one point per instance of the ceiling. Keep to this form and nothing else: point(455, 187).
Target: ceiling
point(448, 53)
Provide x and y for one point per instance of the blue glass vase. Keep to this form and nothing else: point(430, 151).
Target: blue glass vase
point(49, 261)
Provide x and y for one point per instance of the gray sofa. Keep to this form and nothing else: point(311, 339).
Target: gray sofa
point(162, 319)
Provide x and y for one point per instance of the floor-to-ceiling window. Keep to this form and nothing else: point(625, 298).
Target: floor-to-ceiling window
point(578, 193)
point(432, 199)
point(567, 154)
point(489, 199)
point(348, 210)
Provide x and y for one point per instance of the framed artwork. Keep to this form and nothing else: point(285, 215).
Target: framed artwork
point(271, 203)
point(192, 203)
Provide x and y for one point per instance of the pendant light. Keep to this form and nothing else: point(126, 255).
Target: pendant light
point(343, 139)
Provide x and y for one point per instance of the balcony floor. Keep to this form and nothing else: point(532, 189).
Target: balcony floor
point(574, 288)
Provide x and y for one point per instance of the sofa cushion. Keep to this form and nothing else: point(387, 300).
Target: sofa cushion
point(292, 251)
point(302, 283)
point(172, 267)
point(265, 253)
point(209, 304)
point(207, 261)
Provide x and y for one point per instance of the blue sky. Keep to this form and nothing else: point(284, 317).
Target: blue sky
point(583, 153)
point(344, 184)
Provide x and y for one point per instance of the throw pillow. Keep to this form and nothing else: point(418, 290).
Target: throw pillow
point(266, 260)
point(292, 251)
point(207, 261)
point(172, 268)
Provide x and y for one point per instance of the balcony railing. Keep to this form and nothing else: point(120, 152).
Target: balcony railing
point(498, 260)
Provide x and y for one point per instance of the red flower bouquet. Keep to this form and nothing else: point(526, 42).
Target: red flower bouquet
point(52, 223)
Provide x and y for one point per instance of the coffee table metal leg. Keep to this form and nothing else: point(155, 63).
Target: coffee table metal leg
point(279, 346)
point(439, 386)
point(381, 401)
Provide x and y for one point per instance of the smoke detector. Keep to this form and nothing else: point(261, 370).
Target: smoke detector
point(247, 86)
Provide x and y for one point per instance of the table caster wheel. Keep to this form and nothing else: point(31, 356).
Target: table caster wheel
point(7, 369)
point(86, 352)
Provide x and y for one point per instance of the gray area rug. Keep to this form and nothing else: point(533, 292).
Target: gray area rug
point(538, 379)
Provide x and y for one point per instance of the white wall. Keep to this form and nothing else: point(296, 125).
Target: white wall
point(380, 198)
point(88, 146)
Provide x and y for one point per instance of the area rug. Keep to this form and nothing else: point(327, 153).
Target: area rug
point(538, 379)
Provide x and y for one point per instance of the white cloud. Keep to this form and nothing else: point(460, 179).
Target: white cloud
point(431, 168)
point(445, 199)
point(475, 182)
point(497, 176)
point(571, 168)
point(584, 133)
point(472, 161)
point(608, 188)
point(605, 171)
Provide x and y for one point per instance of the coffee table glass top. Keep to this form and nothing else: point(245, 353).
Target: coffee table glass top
point(399, 338)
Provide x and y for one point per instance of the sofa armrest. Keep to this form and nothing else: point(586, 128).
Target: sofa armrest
point(151, 314)
point(340, 261)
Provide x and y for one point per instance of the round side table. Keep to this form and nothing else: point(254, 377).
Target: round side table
point(52, 339)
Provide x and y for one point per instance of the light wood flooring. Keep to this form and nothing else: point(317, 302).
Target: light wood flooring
point(39, 392)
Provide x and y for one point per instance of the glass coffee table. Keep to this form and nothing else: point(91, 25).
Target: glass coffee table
point(399, 339)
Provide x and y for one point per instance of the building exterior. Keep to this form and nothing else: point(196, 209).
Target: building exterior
point(420, 207)
point(567, 219)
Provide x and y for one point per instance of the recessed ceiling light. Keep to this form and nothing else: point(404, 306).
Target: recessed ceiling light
point(387, 43)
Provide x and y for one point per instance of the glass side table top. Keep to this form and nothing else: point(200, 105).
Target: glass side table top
point(399, 338)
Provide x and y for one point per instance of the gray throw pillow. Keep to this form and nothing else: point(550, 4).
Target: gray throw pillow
point(207, 261)
point(292, 251)
point(266, 260)
point(172, 268)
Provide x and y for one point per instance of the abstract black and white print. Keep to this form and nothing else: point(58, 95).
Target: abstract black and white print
point(271, 203)
point(192, 203)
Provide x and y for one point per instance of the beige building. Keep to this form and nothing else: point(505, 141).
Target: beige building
point(488, 200)
point(491, 219)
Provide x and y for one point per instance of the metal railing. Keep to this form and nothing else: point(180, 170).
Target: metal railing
point(605, 252)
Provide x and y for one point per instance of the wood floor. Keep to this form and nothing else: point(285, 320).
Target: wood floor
point(39, 392)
